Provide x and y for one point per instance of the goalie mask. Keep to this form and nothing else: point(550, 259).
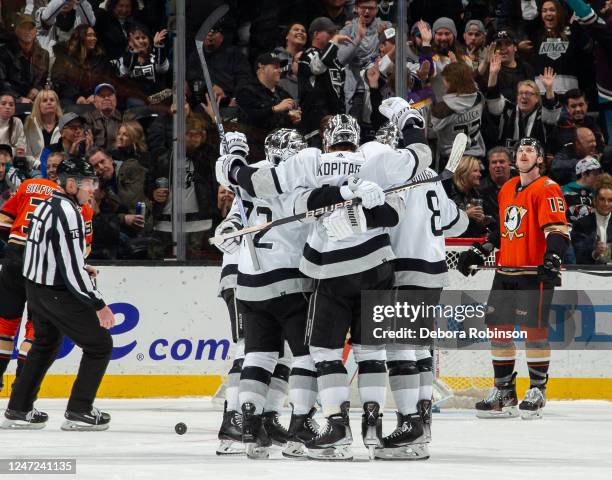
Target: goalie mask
point(341, 129)
point(283, 144)
point(389, 134)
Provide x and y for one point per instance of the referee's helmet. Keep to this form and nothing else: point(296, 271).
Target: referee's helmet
point(77, 169)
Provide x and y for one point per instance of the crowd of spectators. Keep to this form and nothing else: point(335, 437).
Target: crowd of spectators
point(94, 78)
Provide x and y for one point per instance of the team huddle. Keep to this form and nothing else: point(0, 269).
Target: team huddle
point(294, 298)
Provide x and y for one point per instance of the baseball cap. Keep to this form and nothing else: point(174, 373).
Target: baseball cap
point(22, 18)
point(322, 24)
point(5, 148)
point(387, 34)
point(103, 85)
point(269, 58)
point(67, 118)
point(475, 23)
point(504, 35)
point(587, 164)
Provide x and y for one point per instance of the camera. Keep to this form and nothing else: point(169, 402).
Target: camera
point(20, 164)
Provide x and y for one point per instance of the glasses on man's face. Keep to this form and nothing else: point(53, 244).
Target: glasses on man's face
point(371, 9)
point(74, 127)
point(526, 94)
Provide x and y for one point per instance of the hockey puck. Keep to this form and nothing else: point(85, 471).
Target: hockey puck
point(180, 428)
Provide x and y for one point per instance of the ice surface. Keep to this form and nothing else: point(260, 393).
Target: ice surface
point(573, 441)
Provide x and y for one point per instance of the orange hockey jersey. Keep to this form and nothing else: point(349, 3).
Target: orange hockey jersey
point(526, 215)
point(16, 213)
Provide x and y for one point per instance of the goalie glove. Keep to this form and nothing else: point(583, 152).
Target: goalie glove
point(401, 113)
point(230, 245)
point(370, 193)
point(224, 166)
point(476, 256)
point(550, 268)
point(235, 143)
point(345, 222)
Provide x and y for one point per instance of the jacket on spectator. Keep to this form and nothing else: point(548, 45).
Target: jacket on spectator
point(72, 80)
point(53, 27)
point(104, 128)
point(358, 55)
point(563, 166)
point(19, 74)
point(320, 85)
point(228, 67)
point(579, 200)
point(256, 102)
point(35, 142)
point(459, 113)
point(508, 78)
point(148, 76)
point(513, 125)
point(288, 81)
point(11, 133)
point(584, 238)
point(462, 200)
point(111, 33)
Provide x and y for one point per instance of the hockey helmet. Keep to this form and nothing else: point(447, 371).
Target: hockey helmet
point(78, 169)
point(533, 142)
point(282, 144)
point(341, 128)
point(389, 134)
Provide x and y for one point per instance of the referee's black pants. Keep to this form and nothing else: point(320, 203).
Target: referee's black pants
point(55, 313)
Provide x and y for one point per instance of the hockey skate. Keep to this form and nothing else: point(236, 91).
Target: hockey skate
point(230, 433)
point(86, 421)
point(533, 404)
point(501, 403)
point(371, 427)
point(277, 433)
point(334, 440)
point(254, 434)
point(302, 429)
point(406, 442)
point(32, 420)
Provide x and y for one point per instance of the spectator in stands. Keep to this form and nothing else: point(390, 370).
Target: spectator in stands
point(131, 143)
point(24, 64)
point(264, 104)
point(430, 10)
point(41, 126)
point(513, 68)
point(340, 12)
point(228, 67)
point(592, 234)
point(9, 182)
point(359, 52)
point(145, 63)
point(500, 170)
point(420, 60)
point(320, 75)
point(553, 45)
point(579, 194)
point(516, 15)
point(105, 119)
point(576, 115)
point(75, 139)
point(463, 190)
point(53, 161)
point(11, 127)
point(563, 167)
point(531, 116)
point(460, 110)
point(446, 50)
point(56, 21)
point(290, 55)
point(80, 65)
point(475, 38)
point(199, 190)
point(112, 24)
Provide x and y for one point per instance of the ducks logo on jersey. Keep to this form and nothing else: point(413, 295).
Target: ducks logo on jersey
point(513, 217)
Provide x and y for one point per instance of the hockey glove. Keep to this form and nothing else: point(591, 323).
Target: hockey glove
point(224, 166)
point(235, 143)
point(370, 193)
point(344, 222)
point(475, 256)
point(401, 113)
point(230, 245)
point(550, 268)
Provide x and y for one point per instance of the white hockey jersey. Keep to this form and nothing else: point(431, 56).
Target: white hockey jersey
point(278, 249)
point(418, 240)
point(229, 271)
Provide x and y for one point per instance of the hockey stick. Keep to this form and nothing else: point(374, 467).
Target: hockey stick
point(208, 24)
point(599, 271)
point(459, 145)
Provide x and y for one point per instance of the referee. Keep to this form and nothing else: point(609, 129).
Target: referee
point(63, 300)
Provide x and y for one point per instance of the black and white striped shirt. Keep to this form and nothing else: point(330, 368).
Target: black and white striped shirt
point(55, 249)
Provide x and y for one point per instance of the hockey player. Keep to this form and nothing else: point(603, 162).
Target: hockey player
point(420, 267)
point(15, 217)
point(533, 232)
point(346, 252)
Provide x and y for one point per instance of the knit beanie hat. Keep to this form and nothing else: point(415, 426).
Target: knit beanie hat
point(445, 22)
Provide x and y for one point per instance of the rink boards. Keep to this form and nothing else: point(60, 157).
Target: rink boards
point(172, 338)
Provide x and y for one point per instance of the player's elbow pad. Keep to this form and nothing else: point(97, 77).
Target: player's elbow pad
point(387, 215)
point(458, 226)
